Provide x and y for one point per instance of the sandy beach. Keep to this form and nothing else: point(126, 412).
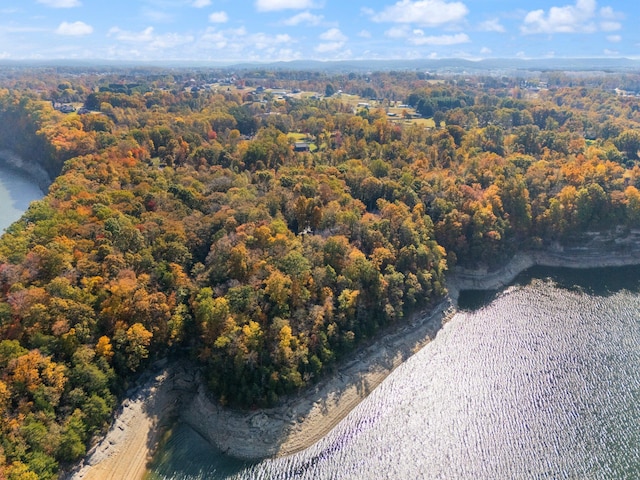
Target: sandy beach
point(302, 420)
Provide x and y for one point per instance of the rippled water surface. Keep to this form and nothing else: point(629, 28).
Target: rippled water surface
point(16, 192)
point(539, 381)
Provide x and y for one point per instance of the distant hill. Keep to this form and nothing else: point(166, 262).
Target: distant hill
point(455, 65)
point(448, 65)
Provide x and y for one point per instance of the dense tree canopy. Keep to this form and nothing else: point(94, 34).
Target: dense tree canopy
point(183, 221)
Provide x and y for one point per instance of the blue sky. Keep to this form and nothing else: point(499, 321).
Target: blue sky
point(272, 30)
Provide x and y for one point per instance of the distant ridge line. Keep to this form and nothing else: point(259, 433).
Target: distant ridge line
point(449, 65)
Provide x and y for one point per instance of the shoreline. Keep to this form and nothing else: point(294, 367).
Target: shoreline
point(300, 421)
point(603, 253)
point(144, 415)
point(177, 393)
point(34, 171)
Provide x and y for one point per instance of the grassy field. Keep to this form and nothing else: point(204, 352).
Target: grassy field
point(423, 122)
point(298, 137)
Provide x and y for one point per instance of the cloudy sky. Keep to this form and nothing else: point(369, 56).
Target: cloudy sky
point(270, 30)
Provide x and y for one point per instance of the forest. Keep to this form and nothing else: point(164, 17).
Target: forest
point(185, 222)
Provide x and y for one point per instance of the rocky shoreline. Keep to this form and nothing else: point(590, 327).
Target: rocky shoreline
point(602, 250)
point(302, 420)
point(176, 392)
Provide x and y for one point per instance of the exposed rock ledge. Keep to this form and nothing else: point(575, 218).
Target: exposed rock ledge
point(302, 420)
point(177, 392)
point(31, 169)
point(609, 249)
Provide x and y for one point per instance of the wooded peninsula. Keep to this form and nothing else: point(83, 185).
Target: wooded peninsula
point(265, 223)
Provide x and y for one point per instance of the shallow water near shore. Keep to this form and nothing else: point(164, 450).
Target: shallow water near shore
point(539, 380)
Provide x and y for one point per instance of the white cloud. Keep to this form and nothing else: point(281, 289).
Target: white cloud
point(149, 40)
point(305, 17)
point(419, 38)
point(239, 32)
point(614, 38)
point(610, 14)
point(238, 43)
point(566, 19)
point(607, 12)
point(423, 12)
point(4, 55)
point(156, 16)
point(274, 5)
point(286, 54)
point(364, 34)
point(201, 3)
point(60, 3)
point(609, 26)
point(583, 17)
point(134, 37)
point(333, 35)
point(170, 40)
point(398, 32)
point(329, 47)
point(492, 25)
point(75, 29)
point(611, 52)
point(262, 41)
point(214, 39)
point(338, 55)
point(334, 40)
point(485, 51)
point(218, 17)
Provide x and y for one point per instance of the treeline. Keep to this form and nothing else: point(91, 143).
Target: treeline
point(184, 223)
point(18, 131)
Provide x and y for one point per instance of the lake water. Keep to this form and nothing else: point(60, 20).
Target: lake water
point(17, 191)
point(539, 381)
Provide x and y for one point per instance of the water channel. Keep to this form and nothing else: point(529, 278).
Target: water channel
point(17, 191)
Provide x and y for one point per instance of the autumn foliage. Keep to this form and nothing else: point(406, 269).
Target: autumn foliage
point(184, 223)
